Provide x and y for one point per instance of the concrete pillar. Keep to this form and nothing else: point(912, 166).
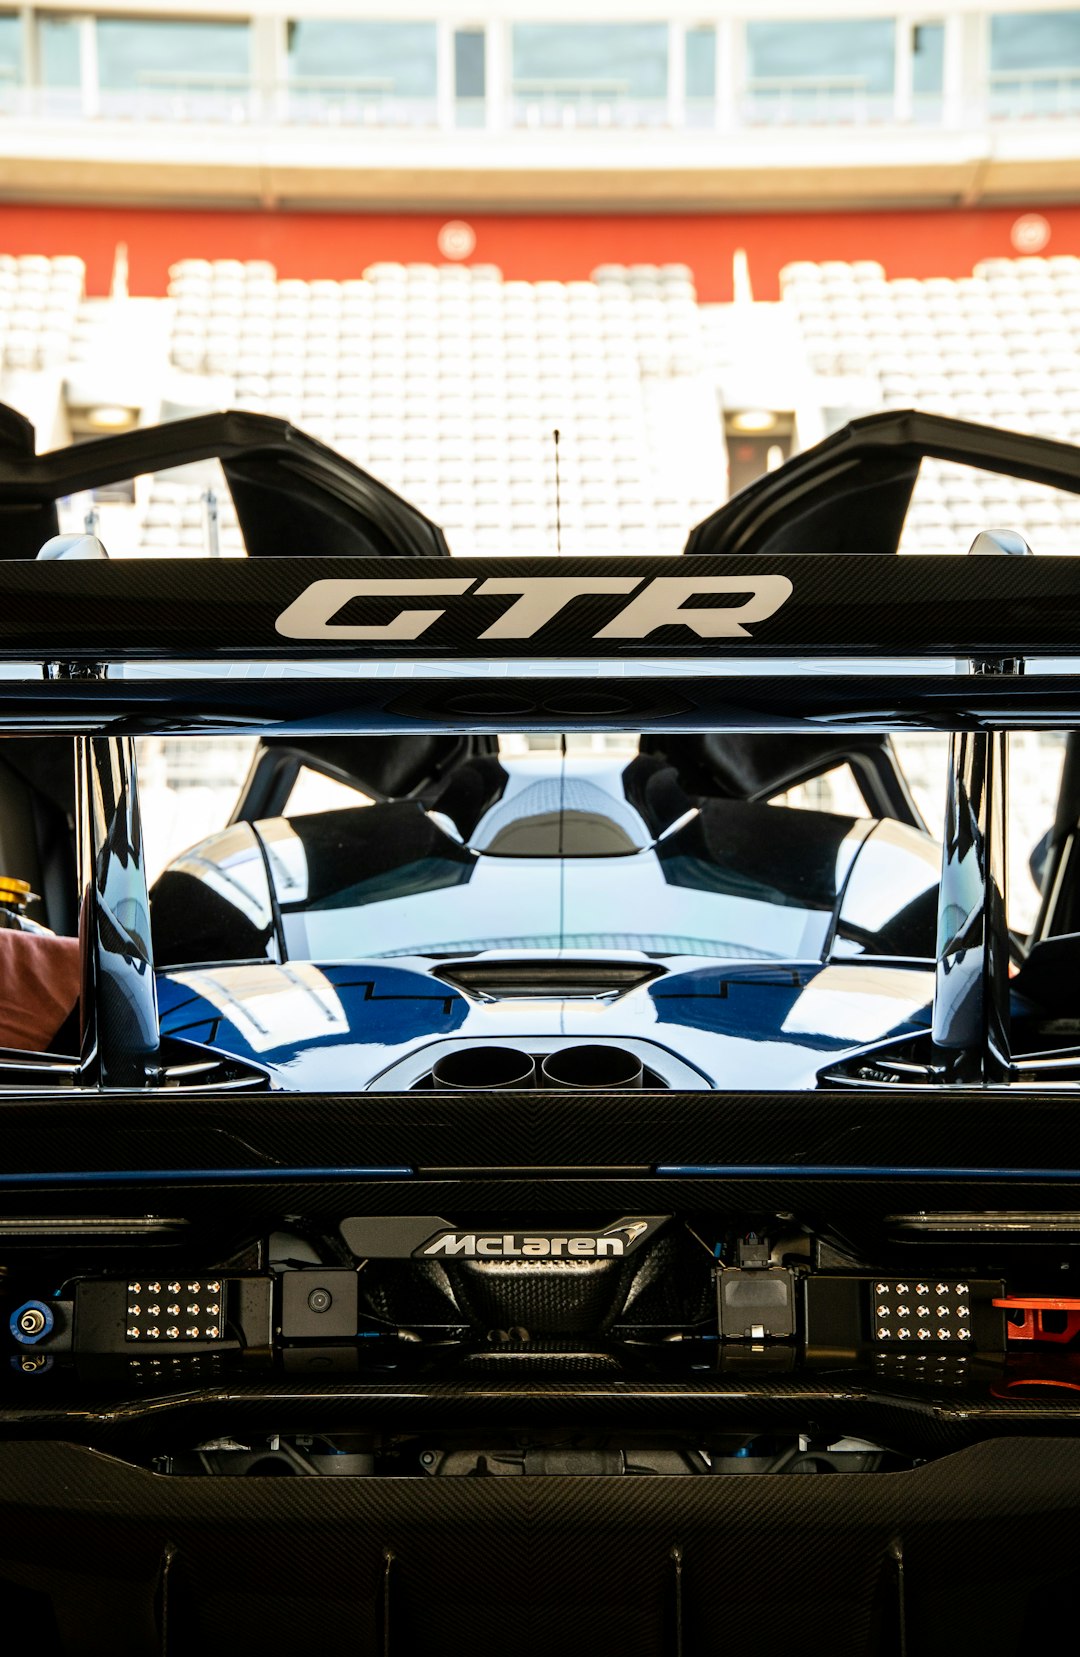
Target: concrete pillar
point(269, 67)
point(904, 71)
point(730, 61)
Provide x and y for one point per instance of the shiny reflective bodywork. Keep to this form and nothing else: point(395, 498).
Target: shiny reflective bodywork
point(724, 879)
point(746, 1026)
point(742, 945)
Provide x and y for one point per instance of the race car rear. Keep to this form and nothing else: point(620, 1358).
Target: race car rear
point(272, 1340)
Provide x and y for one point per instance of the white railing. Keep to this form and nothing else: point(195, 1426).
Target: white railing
point(358, 102)
point(1043, 94)
point(814, 100)
point(223, 99)
point(166, 95)
point(350, 100)
point(580, 102)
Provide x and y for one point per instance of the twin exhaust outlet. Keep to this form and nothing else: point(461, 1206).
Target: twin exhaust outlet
point(589, 1067)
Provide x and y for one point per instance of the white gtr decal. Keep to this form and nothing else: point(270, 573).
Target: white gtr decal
point(660, 603)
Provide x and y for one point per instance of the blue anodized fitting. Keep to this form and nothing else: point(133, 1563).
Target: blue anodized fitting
point(31, 1322)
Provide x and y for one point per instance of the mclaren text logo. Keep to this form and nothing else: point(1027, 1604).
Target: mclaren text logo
point(531, 1245)
point(662, 601)
point(473, 1245)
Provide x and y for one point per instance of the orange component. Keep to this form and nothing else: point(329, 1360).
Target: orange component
point(1001, 1389)
point(1031, 1326)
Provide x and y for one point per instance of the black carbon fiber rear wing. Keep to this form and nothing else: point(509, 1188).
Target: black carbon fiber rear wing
point(333, 644)
point(602, 608)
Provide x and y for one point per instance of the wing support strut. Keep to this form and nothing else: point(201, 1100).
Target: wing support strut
point(971, 984)
point(120, 1038)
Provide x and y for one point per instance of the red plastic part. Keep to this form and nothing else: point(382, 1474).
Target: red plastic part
point(1031, 1327)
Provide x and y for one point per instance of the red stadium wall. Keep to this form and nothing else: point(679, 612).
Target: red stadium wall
point(534, 246)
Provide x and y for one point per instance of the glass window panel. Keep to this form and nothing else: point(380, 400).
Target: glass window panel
point(1035, 40)
point(834, 790)
point(701, 63)
point(188, 787)
point(924, 760)
point(58, 47)
point(470, 76)
point(315, 791)
point(469, 63)
point(10, 53)
point(591, 63)
point(169, 54)
point(928, 58)
point(821, 71)
point(1035, 63)
point(396, 59)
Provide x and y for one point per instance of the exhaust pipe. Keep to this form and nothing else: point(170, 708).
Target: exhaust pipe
point(591, 1067)
point(483, 1068)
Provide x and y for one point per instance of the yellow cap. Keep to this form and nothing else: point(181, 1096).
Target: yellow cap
point(15, 892)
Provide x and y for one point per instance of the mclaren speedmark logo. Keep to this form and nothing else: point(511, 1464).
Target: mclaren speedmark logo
point(537, 1245)
point(662, 601)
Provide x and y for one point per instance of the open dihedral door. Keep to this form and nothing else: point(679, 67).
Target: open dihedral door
point(853, 1278)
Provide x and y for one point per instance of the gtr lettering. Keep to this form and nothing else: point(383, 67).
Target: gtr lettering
point(662, 601)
